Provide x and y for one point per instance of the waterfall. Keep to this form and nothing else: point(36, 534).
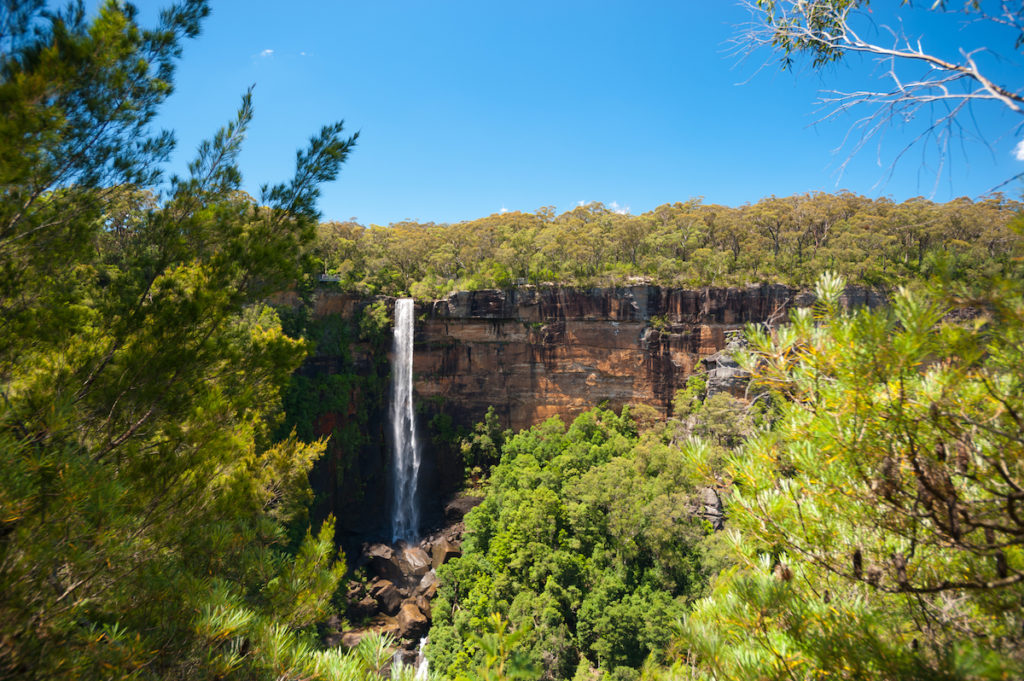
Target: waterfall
point(423, 668)
point(405, 520)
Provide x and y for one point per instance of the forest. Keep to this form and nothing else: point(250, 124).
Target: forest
point(788, 240)
point(854, 513)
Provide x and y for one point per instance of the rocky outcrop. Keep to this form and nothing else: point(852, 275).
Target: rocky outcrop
point(724, 374)
point(386, 596)
point(412, 623)
point(442, 552)
point(456, 509)
point(710, 507)
point(396, 596)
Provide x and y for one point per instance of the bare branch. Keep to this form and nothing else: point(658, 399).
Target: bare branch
point(827, 31)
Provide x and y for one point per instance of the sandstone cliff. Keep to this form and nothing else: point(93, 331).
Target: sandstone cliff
point(533, 353)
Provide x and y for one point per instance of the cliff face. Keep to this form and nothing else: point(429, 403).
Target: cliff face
point(536, 353)
point(533, 353)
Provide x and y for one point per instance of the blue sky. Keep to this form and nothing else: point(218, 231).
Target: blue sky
point(468, 108)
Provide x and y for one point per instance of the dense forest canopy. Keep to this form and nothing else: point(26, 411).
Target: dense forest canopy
point(789, 240)
point(592, 537)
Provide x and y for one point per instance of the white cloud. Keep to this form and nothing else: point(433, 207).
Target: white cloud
point(504, 210)
point(267, 53)
point(1018, 151)
point(616, 208)
point(581, 203)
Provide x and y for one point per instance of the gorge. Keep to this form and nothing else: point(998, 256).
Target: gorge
point(529, 352)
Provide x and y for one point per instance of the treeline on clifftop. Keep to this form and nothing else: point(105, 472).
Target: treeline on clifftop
point(787, 240)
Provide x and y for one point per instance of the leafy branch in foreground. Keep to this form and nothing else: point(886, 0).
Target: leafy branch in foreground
point(145, 511)
point(878, 528)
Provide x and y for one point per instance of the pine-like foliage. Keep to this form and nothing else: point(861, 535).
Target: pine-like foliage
point(878, 528)
point(144, 508)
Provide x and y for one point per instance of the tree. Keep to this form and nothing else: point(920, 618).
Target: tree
point(587, 538)
point(145, 511)
point(876, 529)
point(941, 89)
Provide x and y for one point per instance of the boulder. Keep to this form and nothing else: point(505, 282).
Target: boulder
point(412, 623)
point(354, 590)
point(423, 604)
point(711, 508)
point(364, 609)
point(442, 551)
point(386, 595)
point(428, 585)
point(384, 563)
point(350, 639)
point(381, 624)
point(413, 562)
point(386, 625)
point(382, 551)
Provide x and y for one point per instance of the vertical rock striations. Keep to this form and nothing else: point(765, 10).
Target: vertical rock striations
point(533, 353)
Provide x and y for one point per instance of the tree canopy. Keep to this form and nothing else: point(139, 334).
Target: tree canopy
point(150, 527)
point(777, 240)
point(590, 538)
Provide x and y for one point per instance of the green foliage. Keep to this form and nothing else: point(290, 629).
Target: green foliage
point(660, 323)
point(777, 240)
point(482, 448)
point(720, 420)
point(375, 323)
point(588, 536)
point(688, 400)
point(502, 661)
point(875, 530)
point(144, 505)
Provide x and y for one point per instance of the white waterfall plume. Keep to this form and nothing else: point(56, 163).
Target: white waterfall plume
point(406, 458)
